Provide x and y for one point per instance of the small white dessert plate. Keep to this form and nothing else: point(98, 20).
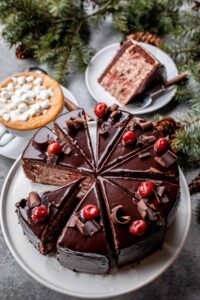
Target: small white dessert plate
point(12, 146)
point(46, 269)
point(101, 60)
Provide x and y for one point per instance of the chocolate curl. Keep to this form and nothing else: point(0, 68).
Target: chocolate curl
point(33, 200)
point(118, 217)
point(88, 228)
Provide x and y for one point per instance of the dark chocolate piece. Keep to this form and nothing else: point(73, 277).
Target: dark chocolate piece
point(169, 158)
point(115, 115)
point(40, 142)
point(118, 217)
point(145, 125)
point(145, 140)
point(33, 199)
point(142, 208)
point(160, 190)
point(144, 155)
point(72, 221)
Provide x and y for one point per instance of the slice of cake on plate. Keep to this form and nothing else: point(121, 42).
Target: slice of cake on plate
point(132, 72)
point(43, 215)
point(48, 160)
point(83, 245)
point(73, 126)
point(138, 230)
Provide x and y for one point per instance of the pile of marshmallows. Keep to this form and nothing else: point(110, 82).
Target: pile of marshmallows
point(24, 97)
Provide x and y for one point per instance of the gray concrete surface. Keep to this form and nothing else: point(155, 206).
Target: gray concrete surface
point(180, 281)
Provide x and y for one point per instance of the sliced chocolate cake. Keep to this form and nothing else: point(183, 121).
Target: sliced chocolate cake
point(138, 134)
point(42, 216)
point(73, 126)
point(83, 245)
point(48, 160)
point(110, 125)
point(132, 72)
point(147, 164)
point(163, 196)
point(138, 229)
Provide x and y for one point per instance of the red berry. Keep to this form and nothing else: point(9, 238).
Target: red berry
point(54, 148)
point(90, 212)
point(161, 145)
point(129, 137)
point(138, 227)
point(100, 110)
point(146, 188)
point(39, 213)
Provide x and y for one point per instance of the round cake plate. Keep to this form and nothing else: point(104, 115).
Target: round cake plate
point(16, 145)
point(46, 269)
point(104, 57)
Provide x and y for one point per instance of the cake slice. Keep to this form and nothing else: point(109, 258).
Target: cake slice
point(147, 164)
point(132, 72)
point(43, 215)
point(138, 134)
point(63, 164)
point(83, 245)
point(165, 196)
point(73, 126)
point(109, 128)
point(137, 230)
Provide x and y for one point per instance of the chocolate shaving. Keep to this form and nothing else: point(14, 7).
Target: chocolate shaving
point(21, 203)
point(144, 155)
point(115, 115)
point(169, 158)
point(118, 217)
point(114, 107)
point(67, 149)
point(164, 198)
point(160, 190)
point(70, 124)
point(145, 125)
point(88, 228)
point(160, 161)
point(103, 130)
point(131, 125)
point(142, 208)
point(144, 140)
point(53, 159)
point(154, 170)
point(40, 142)
point(72, 221)
point(33, 200)
point(151, 215)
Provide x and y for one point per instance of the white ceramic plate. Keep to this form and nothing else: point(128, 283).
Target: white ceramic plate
point(104, 57)
point(15, 145)
point(46, 269)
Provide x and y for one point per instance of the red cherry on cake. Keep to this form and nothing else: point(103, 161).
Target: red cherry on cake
point(138, 227)
point(54, 148)
point(90, 212)
point(146, 188)
point(100, 110)
point(39, 214)
point(129, 137)
point(161, 145)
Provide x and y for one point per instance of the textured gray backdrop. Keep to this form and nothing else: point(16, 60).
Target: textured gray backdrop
point(180, 281)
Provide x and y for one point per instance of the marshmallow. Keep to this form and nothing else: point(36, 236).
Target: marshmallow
point(16, 100)
point(5, 95)
point(26, 87)
point(3, 100)
point(37, 107)
point(45, 104)
point(6, 117)
point(22, 107)
point(23, 117)
point(14, 79)
point(21, 80)
point(10, 87)
point(45, 111)
point(29, 78)
point(19, 92)
point(50, 92)
point(38, 81)
point(2, 112)
point(32, 112)
point(43, 95)
point(11, 106)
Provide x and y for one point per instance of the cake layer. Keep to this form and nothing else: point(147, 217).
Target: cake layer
point(108, 131)
point(145, 135)
point(145, 165)
point(58, 203)
point(122, 209)
point(83, 245)
point(132, 71)
point(73, 126)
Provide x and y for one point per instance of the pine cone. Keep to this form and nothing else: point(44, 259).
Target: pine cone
point(167, 126)
point(22, 52)
point(145, 37)
point(194, 186)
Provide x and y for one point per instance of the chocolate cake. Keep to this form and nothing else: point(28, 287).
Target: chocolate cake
point(123, 204)
point(43, 216)
point(83, 245)
point(132, 72)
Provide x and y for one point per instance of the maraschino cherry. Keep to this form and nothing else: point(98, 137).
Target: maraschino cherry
point(100, 110)
point(39, 213)
point(146, 189)
point(161, 145)
point(138, 227)
point(90, 212)
point(129, 137)
point(54, 148)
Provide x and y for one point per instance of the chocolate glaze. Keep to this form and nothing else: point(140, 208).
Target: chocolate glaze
point(120, 152)
point(72, 242)
point(105, 142)
point(79, 137)
point(147, 167)
point(125, 242)
point(57, 201)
